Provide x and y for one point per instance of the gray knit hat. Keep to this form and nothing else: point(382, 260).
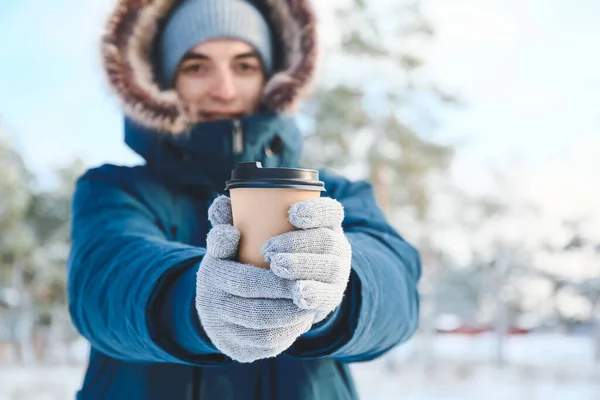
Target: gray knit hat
point(196, 21)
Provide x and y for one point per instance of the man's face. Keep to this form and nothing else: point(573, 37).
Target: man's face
point(220, 79)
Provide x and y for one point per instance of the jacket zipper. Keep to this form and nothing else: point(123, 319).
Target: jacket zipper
point(238, 137)
point(273, 378)
point(195, 384)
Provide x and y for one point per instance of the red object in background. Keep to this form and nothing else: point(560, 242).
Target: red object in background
point(466, 330)
point(479, 329)
point(517, 331)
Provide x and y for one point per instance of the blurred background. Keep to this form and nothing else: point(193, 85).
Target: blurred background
point(476, 121)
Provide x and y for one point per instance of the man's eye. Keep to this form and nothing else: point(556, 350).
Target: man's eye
point(247, 67)
point(193, 68)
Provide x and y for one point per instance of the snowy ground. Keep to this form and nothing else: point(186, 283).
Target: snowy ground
point(539, 367)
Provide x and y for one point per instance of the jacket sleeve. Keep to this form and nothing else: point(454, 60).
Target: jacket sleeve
point(130, 289)
point(380, 308)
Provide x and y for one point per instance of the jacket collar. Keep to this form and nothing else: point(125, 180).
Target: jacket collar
point(203, 156)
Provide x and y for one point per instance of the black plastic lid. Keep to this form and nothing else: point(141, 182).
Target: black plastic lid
point(253, 175)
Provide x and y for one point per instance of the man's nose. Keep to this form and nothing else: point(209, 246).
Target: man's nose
point(224, 88)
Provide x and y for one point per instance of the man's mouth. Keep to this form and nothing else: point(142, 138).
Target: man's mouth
point(215, 116)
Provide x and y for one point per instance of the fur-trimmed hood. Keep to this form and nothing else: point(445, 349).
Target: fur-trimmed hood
point(128, 47)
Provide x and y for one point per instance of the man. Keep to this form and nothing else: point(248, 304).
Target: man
point(168, 311)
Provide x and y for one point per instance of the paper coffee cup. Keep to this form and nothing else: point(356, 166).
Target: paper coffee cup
point(260, 201)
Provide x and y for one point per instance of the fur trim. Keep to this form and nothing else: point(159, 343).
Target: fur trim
point(127, 46)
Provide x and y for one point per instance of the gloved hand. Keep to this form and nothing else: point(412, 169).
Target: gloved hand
point(316, 257)
point(251, 313)
point(247, 312)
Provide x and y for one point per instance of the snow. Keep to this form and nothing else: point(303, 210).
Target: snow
point(471, 381)
point(540, 366)
point(42, 382)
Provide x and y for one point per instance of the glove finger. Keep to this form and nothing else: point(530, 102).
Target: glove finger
point(319, 296)
point(244, 354)
point(320, 316)
point(323, 212)
point(242, 343)
point(261, 313)
point(224, 335)
point(230, 346)
point(222, 242)
point(248, 281)
point(219, 212)
point(312, 241)
point(324, 268)
point(247, 345)
point(277, 339)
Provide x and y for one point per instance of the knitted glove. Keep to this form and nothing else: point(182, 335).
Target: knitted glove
point(247, 312)
point(316, 257)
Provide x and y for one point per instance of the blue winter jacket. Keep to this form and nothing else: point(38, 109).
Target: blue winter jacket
point(138, 236)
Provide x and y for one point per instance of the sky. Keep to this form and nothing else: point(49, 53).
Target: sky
point(530, 78)
point(526, 71)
